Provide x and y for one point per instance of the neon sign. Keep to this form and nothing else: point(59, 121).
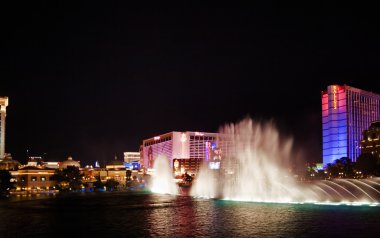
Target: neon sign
point(334, 96)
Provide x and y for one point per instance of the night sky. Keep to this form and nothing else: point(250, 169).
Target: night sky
point(93, 81)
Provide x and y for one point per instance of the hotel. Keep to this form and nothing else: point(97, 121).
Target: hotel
point(3, 114)
point(346, 113)
point(186, 151)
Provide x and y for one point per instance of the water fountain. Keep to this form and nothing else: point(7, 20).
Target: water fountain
point(254, 168)
point(162, 179)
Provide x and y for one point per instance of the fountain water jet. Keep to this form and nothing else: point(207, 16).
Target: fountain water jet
point(254, 168)
point(208, 187)
point(253, 165)
point(162, 179)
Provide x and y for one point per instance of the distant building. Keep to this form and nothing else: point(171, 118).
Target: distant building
point(34, 179)
point(346, 113)
point(114, 170)
point(130, 157)
point(3, 114)
point(69, 162)
point(132, 160)
point(39, 161)
point(371, 140)
point(51, 165)
point(115, 164)
point(9, 164)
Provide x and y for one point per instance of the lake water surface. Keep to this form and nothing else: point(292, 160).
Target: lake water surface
point(153, 215)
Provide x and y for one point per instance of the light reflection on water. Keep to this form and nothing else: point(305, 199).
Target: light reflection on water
point(152, 215)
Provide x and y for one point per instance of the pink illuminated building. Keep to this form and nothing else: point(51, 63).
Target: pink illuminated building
point(189, 149)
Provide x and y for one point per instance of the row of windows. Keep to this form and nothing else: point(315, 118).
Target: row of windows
point(158, 141)
point(334, 152)
point(34, 179)
point(329, 140)
point(340, 118)
point(207, 138)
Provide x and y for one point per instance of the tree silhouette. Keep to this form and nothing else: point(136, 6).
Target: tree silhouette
point(98, 184)
point(68, 179)
point(366, 163)
point(5, 182)
point(342, 167)
point(111, 184)
point(128, 175)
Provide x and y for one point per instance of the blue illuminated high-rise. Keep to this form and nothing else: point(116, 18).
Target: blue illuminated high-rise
point(346, 113)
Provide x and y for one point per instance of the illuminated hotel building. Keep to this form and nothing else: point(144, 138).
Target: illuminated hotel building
point(346, 113)
point(185, 150)
point(3, 114)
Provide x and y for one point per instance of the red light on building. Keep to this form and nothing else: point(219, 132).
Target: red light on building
point(335, 91)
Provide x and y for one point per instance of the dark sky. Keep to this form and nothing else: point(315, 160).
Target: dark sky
point(92, 80)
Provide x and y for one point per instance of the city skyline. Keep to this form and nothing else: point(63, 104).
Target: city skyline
point(92, 84)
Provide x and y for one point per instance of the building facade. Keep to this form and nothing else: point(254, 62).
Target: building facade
point(130, 157)
point(34, 179)
point(69, 162)
point(371, 140)
point(3, 114)
point(346, 113)
point(186, 151)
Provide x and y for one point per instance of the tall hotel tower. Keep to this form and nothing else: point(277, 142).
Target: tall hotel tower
point(346, 113)
point(3, 113)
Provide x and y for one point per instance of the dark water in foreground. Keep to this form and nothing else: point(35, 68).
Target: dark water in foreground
point(149, 215)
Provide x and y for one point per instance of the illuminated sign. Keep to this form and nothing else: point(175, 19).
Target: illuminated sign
point(135, 166)
point(214, 165)
point(213, 146)
point(334, 96)
point(319, 166)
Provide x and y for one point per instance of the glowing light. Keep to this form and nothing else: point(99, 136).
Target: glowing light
point(334, 96)
point(199, 134)
point(176, 163)
point(156, 138)
point(183, 138)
